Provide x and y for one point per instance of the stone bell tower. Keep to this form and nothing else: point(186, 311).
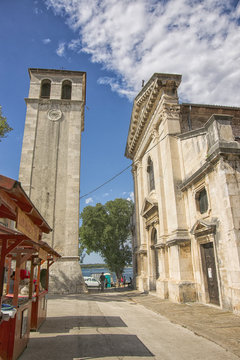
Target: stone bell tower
point(50, 165)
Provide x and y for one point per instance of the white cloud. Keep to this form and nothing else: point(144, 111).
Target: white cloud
point(116, 87)
point(61, 49)
point(46, 41)
point(106, 194)
point(74, 44)
point(131, 196)
point(134, 39)
point(89, 200)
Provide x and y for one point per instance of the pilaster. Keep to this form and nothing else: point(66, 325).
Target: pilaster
point(170, 125)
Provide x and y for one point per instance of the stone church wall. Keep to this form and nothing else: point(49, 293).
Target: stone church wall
point(195, 151)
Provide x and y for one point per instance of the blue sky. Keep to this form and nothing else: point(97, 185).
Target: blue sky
point(118, 44)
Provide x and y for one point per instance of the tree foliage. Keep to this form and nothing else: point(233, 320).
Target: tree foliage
point(4, 127)
point(81, 252)
point(106, 230)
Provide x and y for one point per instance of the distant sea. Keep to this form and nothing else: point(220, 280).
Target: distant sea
point(128, 272)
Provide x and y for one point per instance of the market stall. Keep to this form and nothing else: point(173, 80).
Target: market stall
point(45, 258)
point(20, 248)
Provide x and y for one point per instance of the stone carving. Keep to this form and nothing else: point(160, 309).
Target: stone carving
point(170, 111)
point(155, 134)
point(54, 114)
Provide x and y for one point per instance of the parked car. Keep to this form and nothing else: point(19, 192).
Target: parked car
point(91, 282)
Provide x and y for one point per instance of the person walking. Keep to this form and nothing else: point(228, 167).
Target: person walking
point(102, 280)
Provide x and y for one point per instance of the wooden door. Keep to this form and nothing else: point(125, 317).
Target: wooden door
point(209, 268)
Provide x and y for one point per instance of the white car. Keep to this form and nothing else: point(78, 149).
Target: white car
point(91, 282)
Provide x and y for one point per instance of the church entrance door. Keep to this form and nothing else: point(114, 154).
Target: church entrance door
point(209, 269)
point(154, 260)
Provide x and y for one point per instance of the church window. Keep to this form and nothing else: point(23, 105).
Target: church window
point(202, 201)
point(66, 90)
point(154, 236)
point(45, 89)
point(150, 172)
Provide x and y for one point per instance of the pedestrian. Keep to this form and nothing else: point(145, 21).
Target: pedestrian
point(124, 281)
point(130, 283)
point(102, 280)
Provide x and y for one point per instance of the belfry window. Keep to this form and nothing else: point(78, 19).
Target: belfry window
point(202, 201)
point(66, 90)
point(45, 89)
point(150, 172)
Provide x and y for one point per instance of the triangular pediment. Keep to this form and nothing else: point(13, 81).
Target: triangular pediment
point(203, 227)
point(149, 207)
point(145, 104)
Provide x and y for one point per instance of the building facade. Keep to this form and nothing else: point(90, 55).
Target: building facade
point(50, 165)
point(186, 170)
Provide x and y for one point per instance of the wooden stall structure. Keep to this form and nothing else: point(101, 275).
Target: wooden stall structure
point(20, 245)
point(46, 256)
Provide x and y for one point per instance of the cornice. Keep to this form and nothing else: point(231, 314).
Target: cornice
point(55, 71)
point(178, 237)
point(138, 120)
point(203, 227)
point(211, 106)
point(219, 149)
point(144, 104)
point(142, 249)
point(51, 101)
point(180, 242)
point(149, 207)
point(160, 246)
point(192, 133)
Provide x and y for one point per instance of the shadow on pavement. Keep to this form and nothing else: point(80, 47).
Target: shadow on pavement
point(116, 296)
point(86, 346)
point(65, 324)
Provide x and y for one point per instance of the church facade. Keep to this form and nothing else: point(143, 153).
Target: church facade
point(186, 170)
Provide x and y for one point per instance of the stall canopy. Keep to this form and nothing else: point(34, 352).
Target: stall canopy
point(15, 204)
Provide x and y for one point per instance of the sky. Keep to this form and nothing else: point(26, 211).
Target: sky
point(118, 43)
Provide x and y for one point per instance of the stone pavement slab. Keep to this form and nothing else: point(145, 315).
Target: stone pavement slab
point(210, 322)
point(116, 326)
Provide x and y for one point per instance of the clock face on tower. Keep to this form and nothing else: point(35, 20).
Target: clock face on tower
point(54, 114)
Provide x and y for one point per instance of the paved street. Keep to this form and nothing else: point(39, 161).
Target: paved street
point(114, 326)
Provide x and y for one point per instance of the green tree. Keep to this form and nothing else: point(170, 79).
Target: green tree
point(106, 230)
point(81, 252)
point(4, 127)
